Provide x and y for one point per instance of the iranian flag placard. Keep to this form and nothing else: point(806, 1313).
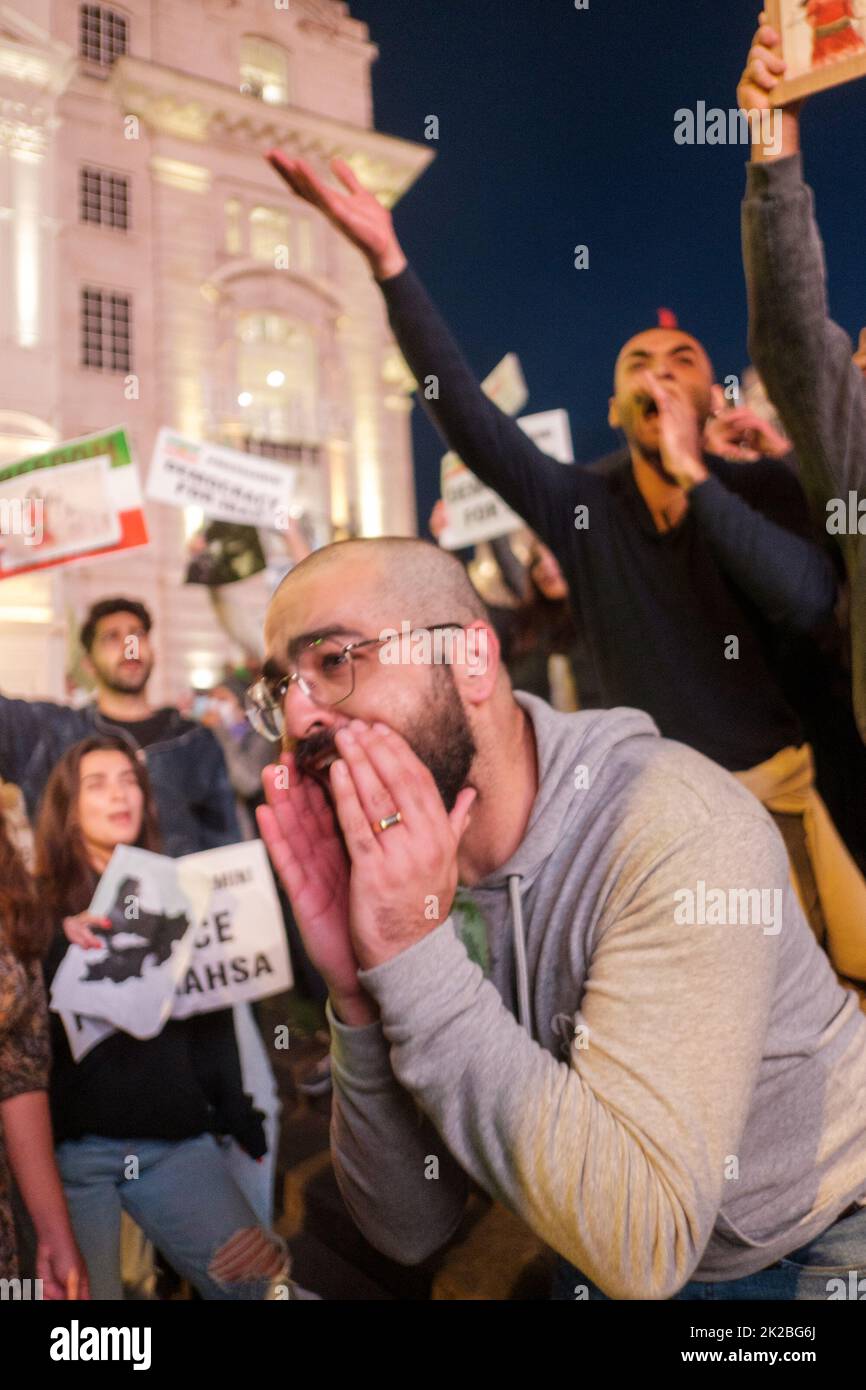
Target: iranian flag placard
point(74, 501)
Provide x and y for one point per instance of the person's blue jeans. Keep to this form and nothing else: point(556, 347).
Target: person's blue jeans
point(183, 1198)
point(831, 1266)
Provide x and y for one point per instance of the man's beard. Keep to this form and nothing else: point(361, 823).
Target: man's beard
point(133, 685)
point(441, 738)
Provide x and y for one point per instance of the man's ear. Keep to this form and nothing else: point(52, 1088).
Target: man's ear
point(718, 400)
point(613, 413)
point(478, 672)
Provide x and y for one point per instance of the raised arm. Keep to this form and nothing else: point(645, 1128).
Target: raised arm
point(804, 358)
point(537, 487)
point(788, 576)
point(20, 726)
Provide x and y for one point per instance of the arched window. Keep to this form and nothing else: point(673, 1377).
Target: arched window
point(269, 233)
point(232, 226)
point(264, 70)
point(277, 379)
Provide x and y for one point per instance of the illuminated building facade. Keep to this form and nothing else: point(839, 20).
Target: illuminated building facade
point(154, 271)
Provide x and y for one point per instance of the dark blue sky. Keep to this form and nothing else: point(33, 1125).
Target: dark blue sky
point(556, 129)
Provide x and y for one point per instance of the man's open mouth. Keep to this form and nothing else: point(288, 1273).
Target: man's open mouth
point(313, 758)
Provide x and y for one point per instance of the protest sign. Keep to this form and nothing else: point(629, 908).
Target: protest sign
point(83, 1033)
point(823, 44)
point(78, 500)
point(475, 512)
point(505, 385)
point(240, 951)
point(225, 484)
point(234, 952)
point(551, 431)
point(152, 904)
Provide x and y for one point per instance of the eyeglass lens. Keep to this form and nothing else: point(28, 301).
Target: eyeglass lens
point(325, 675)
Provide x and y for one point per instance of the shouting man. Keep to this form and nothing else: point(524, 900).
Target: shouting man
point(700, 1130)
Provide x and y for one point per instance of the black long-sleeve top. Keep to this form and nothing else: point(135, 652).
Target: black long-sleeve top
point(658, 610)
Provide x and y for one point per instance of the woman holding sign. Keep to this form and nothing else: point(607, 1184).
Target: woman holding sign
point(173, 1092)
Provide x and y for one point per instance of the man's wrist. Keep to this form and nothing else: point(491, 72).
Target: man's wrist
point(354, 1010)
point(689, 473)
point(392, 262)
point(767, 153)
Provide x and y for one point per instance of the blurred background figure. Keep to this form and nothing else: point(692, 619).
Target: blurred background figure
point(246, 753)
point(26, 1144)
point(745, 433)
point(520, 580)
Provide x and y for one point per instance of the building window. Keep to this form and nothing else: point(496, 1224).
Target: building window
point(104, 35)
point(233, 228)
point(269, 230)
point(264, 71)
point(104, 198)
point(283, 453)
point(277, 380)
point(106, 330)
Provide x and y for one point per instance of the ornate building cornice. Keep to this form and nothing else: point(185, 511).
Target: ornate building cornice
point(170, 102)
point(30, 56)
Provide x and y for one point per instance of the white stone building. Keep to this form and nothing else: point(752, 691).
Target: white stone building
point(154, 271)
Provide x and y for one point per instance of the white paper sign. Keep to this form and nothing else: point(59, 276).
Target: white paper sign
point(550, 430)
point(506, 386)
point(475, 512)
point(153, 904)
point(225, 483)
point(77, 512)
point(235, 952)
point(240, 950)
point(83, 1034)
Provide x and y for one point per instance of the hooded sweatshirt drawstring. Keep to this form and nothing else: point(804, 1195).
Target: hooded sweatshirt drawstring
point(572, 740)
point(519, 952)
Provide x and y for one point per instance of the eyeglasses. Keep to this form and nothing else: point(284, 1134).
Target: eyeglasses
point(325, 673)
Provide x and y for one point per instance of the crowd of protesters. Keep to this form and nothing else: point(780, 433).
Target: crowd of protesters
point(588, 919)
point(117, 771)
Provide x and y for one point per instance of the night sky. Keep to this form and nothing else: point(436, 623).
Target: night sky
point(557, 129)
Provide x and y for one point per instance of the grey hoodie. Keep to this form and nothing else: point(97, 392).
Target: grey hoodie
point(677, 1100)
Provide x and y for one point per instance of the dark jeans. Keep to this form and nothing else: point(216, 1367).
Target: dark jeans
point(831, 1267)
